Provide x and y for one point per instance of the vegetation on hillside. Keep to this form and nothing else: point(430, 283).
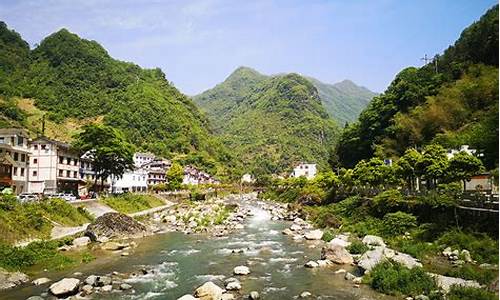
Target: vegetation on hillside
point(131, 203)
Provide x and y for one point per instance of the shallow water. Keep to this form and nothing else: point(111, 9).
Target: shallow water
point(183, 262)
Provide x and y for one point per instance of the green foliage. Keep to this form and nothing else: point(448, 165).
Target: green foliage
point(175, 176)
point(44, 253)
point(394, 279)
point(387, 201)
point(481, 247)
point(463, 166)
point(473, 272)
point(399, 222)
point(328, 235)
point(469, 293)
point(130, 203)
point(357, 247)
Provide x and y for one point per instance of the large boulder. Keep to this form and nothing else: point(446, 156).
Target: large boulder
point(187, 297)
point(445, 282)
point(336, 254)
point(373, 240)
point(406, 260)
point(371, 258)
point(65, 287)
point(114, 225)
point(9, 280)
point(81, 241)
point(209, 291)
point(241, 270)
point(339, 242)
point(314, 235)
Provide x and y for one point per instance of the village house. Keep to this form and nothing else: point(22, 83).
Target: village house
point(193, 176)
point(306, 170)
point(14, 159)
point(131, 181)
point(54, 167)
point(157, 171)
point(142, 158)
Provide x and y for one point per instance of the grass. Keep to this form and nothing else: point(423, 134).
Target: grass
point(482, 248)
point(131, 203)
point(357, 247)
point(467, 293)
point(35, 220)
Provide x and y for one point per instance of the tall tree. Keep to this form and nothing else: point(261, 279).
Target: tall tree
point(174, 176)
point(463, 166)
point(110, 153)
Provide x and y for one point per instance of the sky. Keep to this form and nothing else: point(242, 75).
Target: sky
point(199, 43)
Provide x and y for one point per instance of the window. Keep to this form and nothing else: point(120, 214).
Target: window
point(14, 172)
point(22, 171)
point(75, 162)
point(44, 147)
point(23, 157)
point(35, 147)
point(61, 159)
point(12, 140)
point(20, 140)
point(2, 140)
point(16, 156)
point(68, 173)
point(35, 173)
point(75, 174)
point(133, 178)
point(35, 161)
point(61, 173)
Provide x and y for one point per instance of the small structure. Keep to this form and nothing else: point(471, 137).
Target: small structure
point(157, 171)
point(463, 148)
point(303, 169)
point(481, 182)
point(193, 176)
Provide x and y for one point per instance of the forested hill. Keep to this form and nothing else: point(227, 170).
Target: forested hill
point(457, 105)
point(71, 78)
point(270, 123)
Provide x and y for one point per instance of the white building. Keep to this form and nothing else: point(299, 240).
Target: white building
point(464, 148)
point(306, 170)
point(141, 159)
point(132, 181)
point(193, 176)
point(157, 171)
point(247, 178)
point(14, 159)
point(54, 167)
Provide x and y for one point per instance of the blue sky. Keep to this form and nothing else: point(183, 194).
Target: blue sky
point(199, 43)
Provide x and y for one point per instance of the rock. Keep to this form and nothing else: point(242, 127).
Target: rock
point(357, 280)
point(241, 270)
point(41, 281)
point(339, 242)
point(314, 235)
point(305, 294)
point(445, 282)
point(91, 280)
point(35, 298)
point(373, 240)
point(169, 219)
point(124, 254)
point(125, 286)
point(465, 254)
point(349, 276)
point(287, 231)
point(487, 266)
point(311, 264)
point(336, 254)
point(254, 295)
point(323, 263)
point(371, 258)
point(233, 286)
point(406, 260)
point(187, 297)
point(103, 280)
point(389, 253)
point(65, 287)
point(11, 279)
point(209, 291)
point(114, 225)
point(86, 289)
point(107, 288)
point(295, 227)
point(81, 241)
point(340, 271)
point(447, 251)
point(113, 246)
point(227, 296)
point(421, 297)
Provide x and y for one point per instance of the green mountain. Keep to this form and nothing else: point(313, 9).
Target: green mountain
point(456, 105)
point(344, 100)
point(270, 123)
point(73, 79)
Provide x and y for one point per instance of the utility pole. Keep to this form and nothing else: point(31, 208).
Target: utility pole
point(43, 125)
point(428, 60)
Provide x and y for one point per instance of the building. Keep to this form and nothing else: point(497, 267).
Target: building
point(306, 170)
point(481, 182)
point(131, 181)
point(463, 148)
point(54, 167)
point(247, 178)
point(141, 158)
point(157, 171)
point(193, 176)
point(14, 159)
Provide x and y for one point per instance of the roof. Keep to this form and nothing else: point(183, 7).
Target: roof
point(14, 131)
point(51, 141)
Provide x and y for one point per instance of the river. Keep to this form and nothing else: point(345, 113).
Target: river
point(183, 262)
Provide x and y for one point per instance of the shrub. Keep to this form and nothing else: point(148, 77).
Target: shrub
point(43, 252)
point(398, 222)
point(481, 247)
point(392, 278)
point(387, 201)
point(357, 247)
point(415, 248)
point(472, 272)
point(323, 216)
point(328, 235)
point(468, 293)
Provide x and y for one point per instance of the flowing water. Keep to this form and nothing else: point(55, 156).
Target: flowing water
point(183, 262)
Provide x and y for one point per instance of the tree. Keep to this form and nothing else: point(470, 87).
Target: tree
point(463, 166)
point(175, 175)
point(374, 173)
point(433, 165)
point(406, 167)
point(110, 153)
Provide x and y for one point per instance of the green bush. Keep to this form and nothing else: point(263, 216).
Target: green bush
point(398, 222)
point(323, 216)
point(472, 272)
point(357, 247)
point(43, 252)
point(328, 235)
point(468, 293)
point(415, 248)
point(481, 247)
point(130, 203)
point(386, 202)
point(394, 279)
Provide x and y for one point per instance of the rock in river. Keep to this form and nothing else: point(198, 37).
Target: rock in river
point(81, 241)
point(314, 235)
point(209, 291)
point(41, 281)
point(371, 258)
point(241, 270)
point(9, 280)
point(65, 287)
point(336, 254)
point(114, 225)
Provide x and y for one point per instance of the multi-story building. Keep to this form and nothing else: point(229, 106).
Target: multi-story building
point(14, 159)
point(306, 170)
point(193, 176)
point(157, 171)
point(54, 167)
point(131, 181)
point(141, 158)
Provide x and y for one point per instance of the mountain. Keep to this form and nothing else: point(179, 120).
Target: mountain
point(344, 100)
point(270, 122)
point(456, 105)
point(73, 81)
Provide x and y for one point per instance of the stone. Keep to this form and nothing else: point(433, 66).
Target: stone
point(41, 281)
point(305, 294)
point(103, 280)
point(65, 287)
point(336, 254)
point(311, 264)
point(241, 270)
point(124, 254)
point(11, 279)
point(465, 254)
point(406, 260)
point(227, 296)
point(373, 240)
point(209, 291)
point(169, 219)
point(421, 297)
point(389, 253)
point(314, 235)
point(371, 258)
point(357, 280)
point(447, 251)
point(91, 280)
point(35, 298)
point(323, 262)
point(349, 276)
point(107, 288)
point(445, 282)
point(187, 297)
point(81, 241)
point(233, 286)
point(113, 246)
point(125, 286)
point(254, 295)
point(339, 242)
point(287, 231)
point(114, 225)
point(340, 271)
point(86, 289)
point(295, 227)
